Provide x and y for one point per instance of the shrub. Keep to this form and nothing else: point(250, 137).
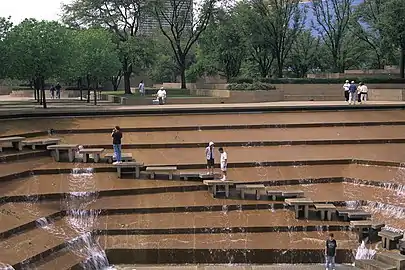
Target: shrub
point(317, 80)
point(251, 86)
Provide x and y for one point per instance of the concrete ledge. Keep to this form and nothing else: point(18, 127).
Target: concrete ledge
point(253, 256)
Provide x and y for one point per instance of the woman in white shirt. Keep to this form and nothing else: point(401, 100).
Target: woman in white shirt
point(142, 88)
point(363, 89)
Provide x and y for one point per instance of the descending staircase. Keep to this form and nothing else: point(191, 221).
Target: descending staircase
point(386, 260)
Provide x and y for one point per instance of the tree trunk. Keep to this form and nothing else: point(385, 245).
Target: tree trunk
point(43, 92)
point(402, 63)
point(127, 68)
point(279, 69)
point(79, 85)
point(116, 80)
point(88, 88)
point(95, 92)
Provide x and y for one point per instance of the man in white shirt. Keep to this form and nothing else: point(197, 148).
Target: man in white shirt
point(224, 163)
point(142, 88)
point(161, 96)
point(363, 90)
point(346, 90)
point(209, 154)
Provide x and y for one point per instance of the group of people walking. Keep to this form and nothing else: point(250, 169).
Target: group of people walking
point(56, 89)
point(355, 93)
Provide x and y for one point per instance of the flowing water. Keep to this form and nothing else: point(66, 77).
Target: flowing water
point(364, 253)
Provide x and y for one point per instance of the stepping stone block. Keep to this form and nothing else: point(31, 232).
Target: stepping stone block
point(327, 208)
point(250, 187)
point(16, 142)
point(96, 152)
point(300, 202)
point(214, 183)
point(125, 157)
point(390, 239)
point(153, 170)
point(69, 148)
point(40, 142)
point(135, 166)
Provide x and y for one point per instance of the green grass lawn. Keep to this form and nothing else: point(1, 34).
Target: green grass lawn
point(183, 93)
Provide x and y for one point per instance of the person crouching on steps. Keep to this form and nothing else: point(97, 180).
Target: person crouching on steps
point(117, 137)
point(224, 163)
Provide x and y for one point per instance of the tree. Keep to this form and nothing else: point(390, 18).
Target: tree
point(36, 50)
point(176, 22)
point(304, 54)
point(331, 21)
point(5, 27)
point(282, 21)
point(393, 25)
point(367, 27)
point(223, 45)
point(95, 58)
point(121, 17)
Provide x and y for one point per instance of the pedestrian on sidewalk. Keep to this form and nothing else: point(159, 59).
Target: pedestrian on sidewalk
point(209, 154)
point(352, 93)
point(52, 91)
point(142, 88)
point(224, 163)
point(58, 88)
point(117, 138)
point(363, 92)
point(330, 252)
point(346, 90)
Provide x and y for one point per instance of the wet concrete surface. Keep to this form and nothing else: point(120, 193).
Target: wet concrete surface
point(244, 135)
point(232, 267)
point(21, 247)
point(9, 127)
point(241, 241)
point(54, 184)
point(209, 220)
point(295, 153)
point(35, 241)
point(13, 215)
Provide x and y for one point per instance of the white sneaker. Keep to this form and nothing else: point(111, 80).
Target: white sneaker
point(115, 163)
point(223, 179)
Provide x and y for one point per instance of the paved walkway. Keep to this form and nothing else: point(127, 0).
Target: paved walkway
point(110, 108)
point(233, 267)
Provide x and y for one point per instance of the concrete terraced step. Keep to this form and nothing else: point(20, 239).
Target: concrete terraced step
point(34, 244)
point(103, 182)
point(294, 153)
point(63, 259)
point(233, 267)
point(392, 258)
point(373, 265)
point(210, 222)
point(273, 247)
point(20, 126)
point(244, 135)
point(16, 217)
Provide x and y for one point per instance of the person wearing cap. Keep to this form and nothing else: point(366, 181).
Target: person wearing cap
point(346, 90)
point(161, 96)
point(363, 90)
point(209, 154)
point(352, 93)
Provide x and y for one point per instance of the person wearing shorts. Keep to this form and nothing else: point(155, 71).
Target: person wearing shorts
point(224, 163)
point(209, 154)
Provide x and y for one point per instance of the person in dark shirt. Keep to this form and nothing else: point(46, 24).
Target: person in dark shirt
point(58, 88)
point(117, 137)
point(330, 252)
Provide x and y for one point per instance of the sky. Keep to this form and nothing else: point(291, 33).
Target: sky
point(38, 9)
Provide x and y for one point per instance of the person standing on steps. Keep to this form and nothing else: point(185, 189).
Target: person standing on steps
point(330, 252)
point(58, 88)
point(142, 88)
point(224, 163)
point(352, 93)
point(346, 90)
point(117, 138)
point(209, 154)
